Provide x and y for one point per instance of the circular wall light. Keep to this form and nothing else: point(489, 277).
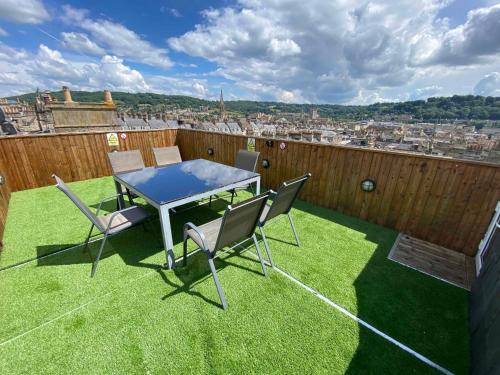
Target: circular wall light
point(210, 151)
point(269, 143)
point(265, 163)
point(368, 185)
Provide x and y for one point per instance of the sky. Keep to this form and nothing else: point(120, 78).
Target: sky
point(295, 51)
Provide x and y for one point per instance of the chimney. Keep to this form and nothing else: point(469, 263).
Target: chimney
point(107, 97)
point(67, 94)
point(149, 116)
point(157, 115)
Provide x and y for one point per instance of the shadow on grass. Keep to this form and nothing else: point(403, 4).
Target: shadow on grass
point(133, 245)
point(197, 271)
point(137, 244)
point(422, 312)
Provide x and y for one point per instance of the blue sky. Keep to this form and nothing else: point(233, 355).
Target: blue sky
point(319, 51)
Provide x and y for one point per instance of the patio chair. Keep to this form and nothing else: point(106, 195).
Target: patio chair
point(282, 204)
point(246, 160)
point(126, 161)
point(106, 224)
point(167, 155)
point(237, 225)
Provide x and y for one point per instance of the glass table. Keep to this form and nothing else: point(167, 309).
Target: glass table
point(177, 184)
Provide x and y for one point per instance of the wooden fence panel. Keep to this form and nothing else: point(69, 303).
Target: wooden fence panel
point(444, 201)
point(31, 160)
point(4, 200)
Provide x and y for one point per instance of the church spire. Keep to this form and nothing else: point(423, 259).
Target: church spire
point(222, 109)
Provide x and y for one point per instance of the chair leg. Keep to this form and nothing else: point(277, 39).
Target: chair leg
point(254, 237)
point(266, 245)
point(233, 192)
point(96, 261)
point(293, 229)
point(184, 252)
point(217, 284)
point(210, 201)
point(130, 200)
point(88, 238)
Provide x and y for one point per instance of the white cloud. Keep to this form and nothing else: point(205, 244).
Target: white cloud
point(22, 72)
point(336, 51)
point(11, 54)
point(3, 32)
point(113, 74)
point(321, 51)
point(80, 42)
point(365, 97)
point(489, 85)
point(23, 11)
point(180, 86)
point(118, 39)
point(282, 48)
point(174, 12)
point(49, 69)
point(477, 38)
point(425, 92)
point(200, 89)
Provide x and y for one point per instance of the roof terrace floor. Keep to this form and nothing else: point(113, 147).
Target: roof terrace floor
point(135, 317)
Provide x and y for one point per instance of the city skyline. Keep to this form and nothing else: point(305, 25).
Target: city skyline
point(315, 52)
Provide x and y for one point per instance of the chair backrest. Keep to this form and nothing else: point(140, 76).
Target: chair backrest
point(86, 211)
point(126, 161)
point(167, 155)
point(239, 221)
point(286, 195)
point(247, 160)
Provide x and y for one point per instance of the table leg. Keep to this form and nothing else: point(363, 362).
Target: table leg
point(257, 187)
point(121, 201)
point(167, 237)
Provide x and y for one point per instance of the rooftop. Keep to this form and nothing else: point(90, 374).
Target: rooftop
point(135, 317)
point(342, 302)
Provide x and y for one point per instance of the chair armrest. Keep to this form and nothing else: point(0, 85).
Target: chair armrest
point(114, 214)
point(104, 200)
point(198, 231)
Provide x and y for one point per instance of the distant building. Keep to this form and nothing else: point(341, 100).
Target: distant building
point(222, 109)
point(70, 116)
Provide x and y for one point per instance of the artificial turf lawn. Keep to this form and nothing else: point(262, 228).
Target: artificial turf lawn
point(134, 317)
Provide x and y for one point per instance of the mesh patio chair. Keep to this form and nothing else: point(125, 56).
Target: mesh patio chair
point(126, 161)
point(167, 155)
point(106, 224)
point(246, 160)
point(282, 204)
point(238, 224)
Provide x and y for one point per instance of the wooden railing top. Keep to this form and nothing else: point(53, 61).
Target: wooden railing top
point(365, 149)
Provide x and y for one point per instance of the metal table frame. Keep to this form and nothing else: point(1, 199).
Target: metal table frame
point(164, 209)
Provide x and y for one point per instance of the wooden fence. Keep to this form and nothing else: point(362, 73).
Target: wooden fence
point(4, 200)
point(444, 201)
point(31, 160)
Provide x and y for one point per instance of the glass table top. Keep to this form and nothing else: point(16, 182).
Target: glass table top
point(177, 181)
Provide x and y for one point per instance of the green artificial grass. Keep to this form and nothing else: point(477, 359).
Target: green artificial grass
point(134, 317)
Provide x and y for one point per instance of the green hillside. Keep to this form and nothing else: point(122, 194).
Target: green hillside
point(464, 107)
